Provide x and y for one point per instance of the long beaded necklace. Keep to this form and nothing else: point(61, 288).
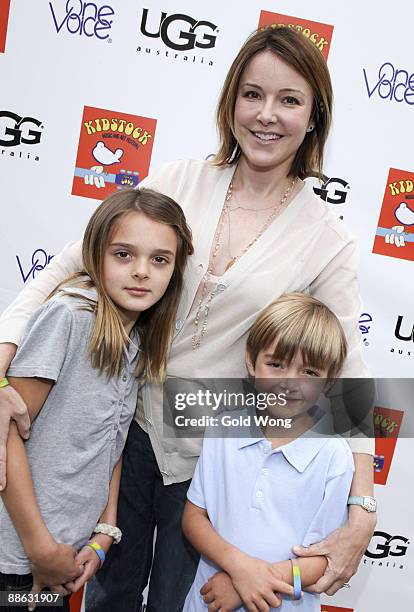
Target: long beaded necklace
point(198, 334)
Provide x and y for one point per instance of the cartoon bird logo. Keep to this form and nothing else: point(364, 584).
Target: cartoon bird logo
point(404, 214)
point(105, 156)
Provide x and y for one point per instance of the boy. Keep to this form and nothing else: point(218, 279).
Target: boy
point(252, 499)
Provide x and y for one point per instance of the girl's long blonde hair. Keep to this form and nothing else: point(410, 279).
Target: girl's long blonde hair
point(108, 339)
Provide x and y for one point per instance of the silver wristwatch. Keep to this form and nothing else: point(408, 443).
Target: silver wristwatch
point(368, 503)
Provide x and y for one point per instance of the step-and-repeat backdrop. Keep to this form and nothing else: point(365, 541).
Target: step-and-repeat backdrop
point(94, 95)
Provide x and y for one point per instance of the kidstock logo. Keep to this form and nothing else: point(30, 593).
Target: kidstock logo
point(391, 84)
point(320, 34)
point(395, 232)
point(385, 550)
point(82, 18)
point(39, 260)
point(387, 425)
point(114, 152)
point(4, 19)
point(180, 33)
point(17, 130)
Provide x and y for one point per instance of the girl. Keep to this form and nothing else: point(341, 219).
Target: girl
point(76, 369)
point(259, 232)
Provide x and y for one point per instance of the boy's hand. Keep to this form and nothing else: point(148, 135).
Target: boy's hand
point(258, 583)
point(220, 593)
point(52, 567)
point(55, 565)
point(37, 588)
point(90, 563)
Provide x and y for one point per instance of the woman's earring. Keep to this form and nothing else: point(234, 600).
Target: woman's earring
point(310, 128)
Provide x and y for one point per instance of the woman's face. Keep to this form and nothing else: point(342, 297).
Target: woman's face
point(272, 112)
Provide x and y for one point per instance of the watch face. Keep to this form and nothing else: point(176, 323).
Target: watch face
point(370, 504)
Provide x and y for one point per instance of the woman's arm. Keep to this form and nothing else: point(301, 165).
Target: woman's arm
point(53, 563)
point(12, 324)
point(255, 580)
point(345, 547)
point(337, 286)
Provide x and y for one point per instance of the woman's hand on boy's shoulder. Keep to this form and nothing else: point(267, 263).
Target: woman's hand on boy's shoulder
point(219, 593)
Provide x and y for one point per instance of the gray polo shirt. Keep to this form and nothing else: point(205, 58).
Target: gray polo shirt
point(79, 434)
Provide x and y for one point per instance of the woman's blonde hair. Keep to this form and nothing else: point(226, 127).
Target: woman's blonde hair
point(108, 338)
point(303, 56)
point(299, 322)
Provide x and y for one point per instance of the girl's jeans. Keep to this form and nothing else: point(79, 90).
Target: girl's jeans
point(145, 503)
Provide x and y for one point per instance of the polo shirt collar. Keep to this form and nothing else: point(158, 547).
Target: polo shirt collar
point(299, 453)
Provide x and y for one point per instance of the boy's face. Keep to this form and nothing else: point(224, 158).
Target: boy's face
point(300, 383)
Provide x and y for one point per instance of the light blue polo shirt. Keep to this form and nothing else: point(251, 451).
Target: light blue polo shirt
point(264, 501)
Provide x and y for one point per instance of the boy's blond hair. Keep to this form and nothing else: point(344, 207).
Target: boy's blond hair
point(299, 322)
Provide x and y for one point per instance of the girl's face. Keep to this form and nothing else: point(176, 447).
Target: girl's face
point(301, 383)
point(138, 264)
point(272, 112)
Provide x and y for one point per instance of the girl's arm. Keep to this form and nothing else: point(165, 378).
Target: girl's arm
point(53, 563)
point(86, 556)
point(11, 407)
point(255, 580)
point(12, 324)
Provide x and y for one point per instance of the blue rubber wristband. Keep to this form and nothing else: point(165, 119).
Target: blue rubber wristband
point(297, 582)
point(99, 551)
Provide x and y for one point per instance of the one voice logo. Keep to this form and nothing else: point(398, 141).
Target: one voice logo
point(40, 259)
point(17, 130)
point(391, 83)
point(180, 33)
point(83, 18)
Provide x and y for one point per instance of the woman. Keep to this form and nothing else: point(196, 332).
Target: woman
point(258, 232)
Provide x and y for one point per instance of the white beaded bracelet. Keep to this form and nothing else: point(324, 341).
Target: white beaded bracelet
point(109, 530)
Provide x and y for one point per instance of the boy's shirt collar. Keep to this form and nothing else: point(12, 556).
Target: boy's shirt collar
point(300, 452)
